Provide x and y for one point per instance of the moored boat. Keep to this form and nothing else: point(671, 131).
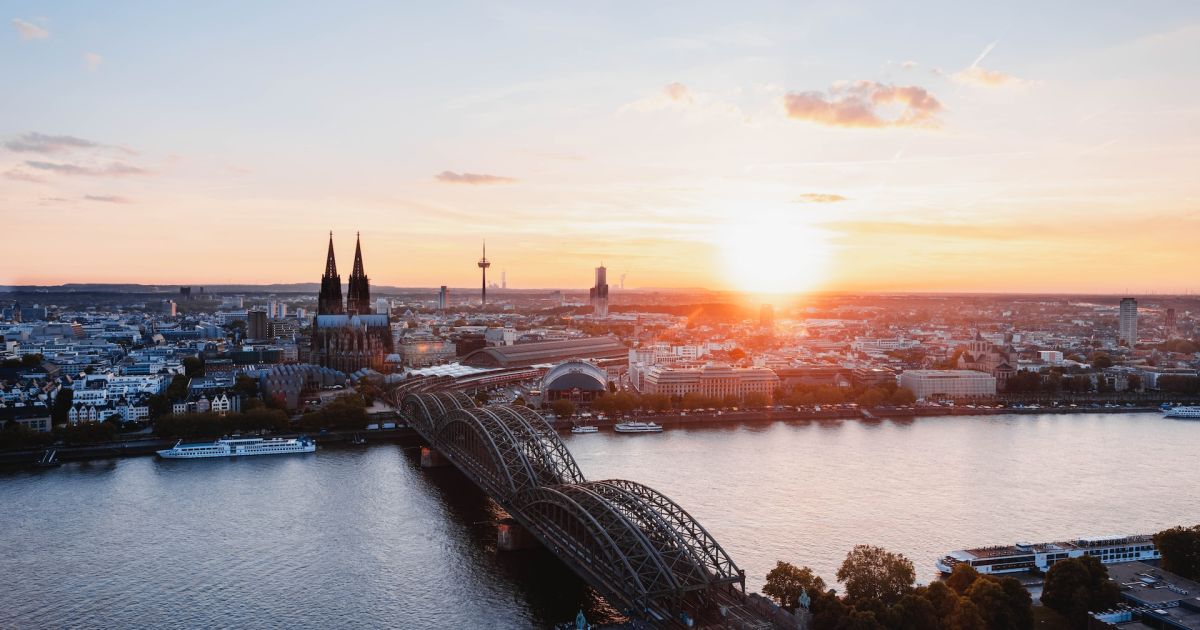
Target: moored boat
point(585, 428)
point(638, 427)
point(1187, 413)
point(238, 447)
point(1025, 556)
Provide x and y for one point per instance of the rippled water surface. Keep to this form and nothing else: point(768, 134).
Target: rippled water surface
point(366, 538)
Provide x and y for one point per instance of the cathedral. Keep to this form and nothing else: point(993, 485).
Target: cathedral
point(348, 336)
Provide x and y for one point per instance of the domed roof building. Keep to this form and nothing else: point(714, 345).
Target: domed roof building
point(576, 380)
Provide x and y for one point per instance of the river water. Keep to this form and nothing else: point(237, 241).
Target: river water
point(366, 538)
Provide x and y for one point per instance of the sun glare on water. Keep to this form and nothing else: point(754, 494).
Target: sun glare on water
point(772, 255)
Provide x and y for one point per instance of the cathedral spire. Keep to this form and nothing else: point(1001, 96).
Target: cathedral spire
point(358, 265)
point(358, 298)
point(330, 262)
point(329, 302)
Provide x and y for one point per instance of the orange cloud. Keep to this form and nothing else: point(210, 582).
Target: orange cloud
point(865, 104)
point(820, 198)
point(678, 92)
point(474, 179)
point(976, 75)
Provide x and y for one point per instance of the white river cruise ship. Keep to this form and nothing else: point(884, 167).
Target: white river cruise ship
point(237, 447)
point(1028, 556)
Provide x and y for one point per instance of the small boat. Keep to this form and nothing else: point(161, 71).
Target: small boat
point(585, 428)
point(49, 460)
point(358, 440)
point(638, 427)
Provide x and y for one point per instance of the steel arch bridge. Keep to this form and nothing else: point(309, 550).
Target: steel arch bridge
point(641, 550)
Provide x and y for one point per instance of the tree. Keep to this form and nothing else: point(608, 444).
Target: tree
point(1003, 604)
point(755, 400)
point(520, 402)
point(786, 581)
point(873, 573)
point(193, 366)
point(178, 389)
point(61, 411)
point(1180, 548)
point(563, 408)
point(31, 361)
point(1101, 360)
point(246, 386)
point(1076, 585)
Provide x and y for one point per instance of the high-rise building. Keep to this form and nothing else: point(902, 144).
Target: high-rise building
point(599, 293)
point(503, 279)
point(168, 308)
point(443, 298)
point(256, 325)
point(1129, 315)
point(382, 307)
point(766, 317)
point(483, 265)
point(1170, 324)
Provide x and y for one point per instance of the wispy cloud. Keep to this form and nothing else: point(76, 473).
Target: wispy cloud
point(977, 75)
point(108, 198)
point(865, 104)
point(820, 198)
point(474, 179)
point(113, 169)
point(19, 175)
point(28, 30)
point(679, 97)
point(35, 142)
point(92, 61)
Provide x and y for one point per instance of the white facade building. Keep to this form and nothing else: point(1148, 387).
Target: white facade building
point(948, 384)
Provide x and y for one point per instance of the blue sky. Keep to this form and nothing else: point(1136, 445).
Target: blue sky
point(954, 146)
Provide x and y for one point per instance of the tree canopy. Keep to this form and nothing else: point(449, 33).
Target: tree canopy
point(1076, 585)
point(1180, 548)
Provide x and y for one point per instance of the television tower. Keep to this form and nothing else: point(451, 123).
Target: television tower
point(483, 265)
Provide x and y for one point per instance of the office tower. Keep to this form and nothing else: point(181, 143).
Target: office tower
point(503, 279)
point(443, 298)
point(1170, 324)
point(256, 325)
point(599, 293)
point(168, 308)
point(483, 265)
point(766, 316)
point(1129, 315)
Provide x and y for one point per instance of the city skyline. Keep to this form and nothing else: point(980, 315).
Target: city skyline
point(788, 148)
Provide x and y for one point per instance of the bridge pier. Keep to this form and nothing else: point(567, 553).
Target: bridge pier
point(432, 459)
point(510, 536)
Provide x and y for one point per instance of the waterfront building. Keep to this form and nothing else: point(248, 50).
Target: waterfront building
point(349, 338)
point(599, 294)
point(948, 384)
point(1129, 322)
point(713, 380)
point(578, 381)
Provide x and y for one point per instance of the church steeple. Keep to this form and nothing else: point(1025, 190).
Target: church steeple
point(358, 298)
point(329, 302)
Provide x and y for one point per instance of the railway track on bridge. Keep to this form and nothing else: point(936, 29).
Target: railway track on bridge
point(639, 549)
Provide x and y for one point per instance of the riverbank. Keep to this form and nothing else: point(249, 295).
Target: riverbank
point(148, 446)
point(695, 418)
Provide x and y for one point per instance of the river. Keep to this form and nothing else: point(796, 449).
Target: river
point(365, 537)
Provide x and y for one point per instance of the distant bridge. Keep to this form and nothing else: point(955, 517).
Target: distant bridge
point(642, 551)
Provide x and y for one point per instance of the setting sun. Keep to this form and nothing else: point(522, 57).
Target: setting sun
point(770, 254)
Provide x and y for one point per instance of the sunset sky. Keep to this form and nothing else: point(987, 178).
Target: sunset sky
point(1002, 146)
